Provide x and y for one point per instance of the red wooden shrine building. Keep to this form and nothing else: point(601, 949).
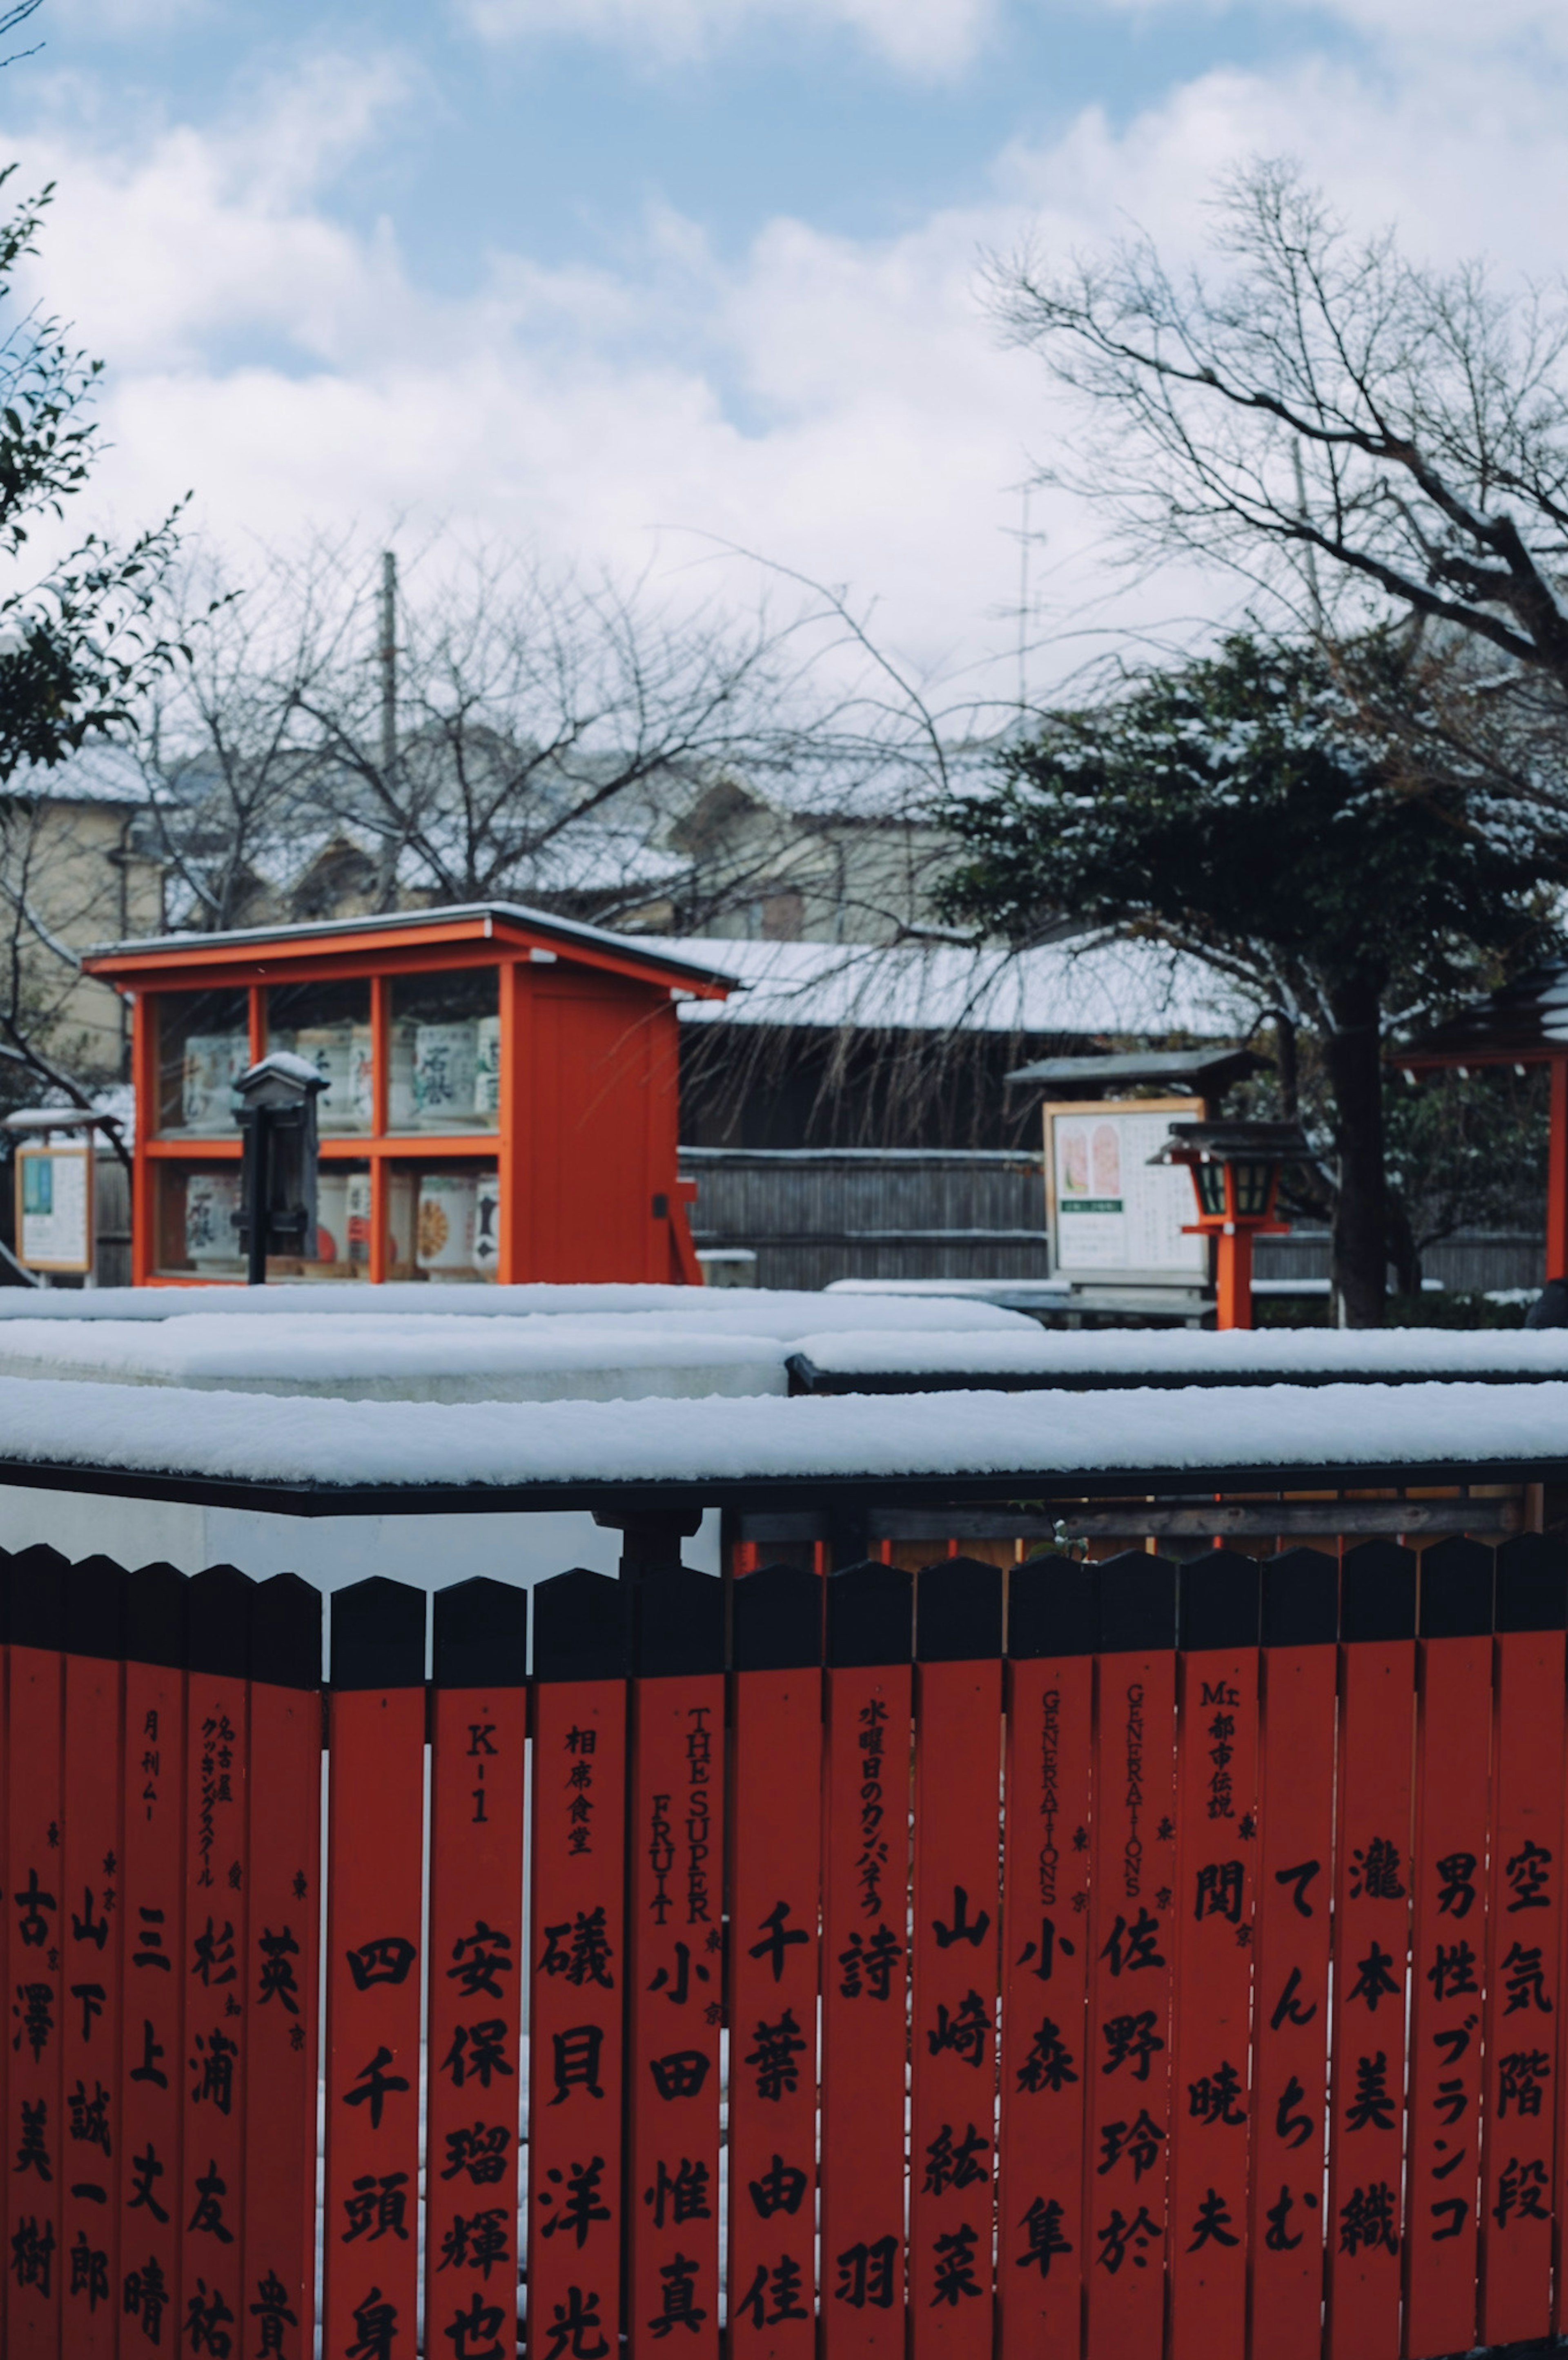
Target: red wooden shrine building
point(502, 1099)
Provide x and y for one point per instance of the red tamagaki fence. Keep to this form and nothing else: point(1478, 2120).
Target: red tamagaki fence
point(1088, 1962)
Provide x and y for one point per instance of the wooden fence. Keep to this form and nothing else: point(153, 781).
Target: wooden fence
point(939, 1964)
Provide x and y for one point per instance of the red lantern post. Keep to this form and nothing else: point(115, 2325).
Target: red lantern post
point(1236, 1170)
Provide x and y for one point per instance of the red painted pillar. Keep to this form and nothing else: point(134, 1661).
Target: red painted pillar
point(1232, 1302)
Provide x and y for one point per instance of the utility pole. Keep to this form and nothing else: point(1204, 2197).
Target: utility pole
point(388, 664)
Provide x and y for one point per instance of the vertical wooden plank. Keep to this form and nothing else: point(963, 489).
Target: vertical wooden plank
point(1372, 1906)
point(35, 1945)
point(676, 1949)
point(152, 1931)
point(90, 1916)
point(213, 2052)
point(775, 1835)
point(1218, 1861)
point(375, 1888)
point(1132, 1894)
point(956, 1957)
point(279, 2252)
point(1053, 1627)
point(576, 2020)
point(1524, 1992)
point(6, 1561)
point(480, 1664)
point(1453, 1748)
point(865, 1857)
point(1300, 1625)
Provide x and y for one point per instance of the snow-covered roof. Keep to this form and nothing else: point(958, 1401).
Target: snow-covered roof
point(101, 772)
point(1114, 987)
point(646, 948)
point(307, 1452)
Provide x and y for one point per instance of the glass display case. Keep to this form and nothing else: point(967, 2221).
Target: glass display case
point(444, 1052)
point(204, 1045)
point(328, 1023)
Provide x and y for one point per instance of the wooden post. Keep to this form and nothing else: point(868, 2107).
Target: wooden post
point(212, 2059)
point(1372, 1912)
point(1132, 1944)
point(151, 2110)
point(774, 1837)
point(1301, 1624)
point(90, 1921)
point(1053, 1628)
point(676, 1948)
point(1454, 1750)
point(1214, 1923)
point(278, 2264)
point(865, 1845)
point(955, 1943)
point(1522, 2032)
point(577, 1989)
point(375, 1828)
point(35, 1909)
point(480, 1733)
point(1233, 1296)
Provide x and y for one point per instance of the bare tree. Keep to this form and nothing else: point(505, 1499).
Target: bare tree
point(1322, 413)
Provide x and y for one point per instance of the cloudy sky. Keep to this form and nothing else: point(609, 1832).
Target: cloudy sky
point(608, 275)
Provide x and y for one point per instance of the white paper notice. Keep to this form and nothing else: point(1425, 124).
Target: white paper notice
point(54, 1199)
point(1114, 1210)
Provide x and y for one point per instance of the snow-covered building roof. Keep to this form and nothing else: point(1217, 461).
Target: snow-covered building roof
point(1108, 988)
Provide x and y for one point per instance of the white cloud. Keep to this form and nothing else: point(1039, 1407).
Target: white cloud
point(840, 405)
point(920, 37)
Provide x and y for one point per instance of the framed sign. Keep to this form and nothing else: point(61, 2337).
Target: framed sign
point(54, 1206)
point(1110, 1214)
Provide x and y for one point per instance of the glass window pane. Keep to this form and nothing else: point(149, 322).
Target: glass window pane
point(204, 1045)
point(197, 1235)
point(444, 1052)
point(329, 1024)
point(444, 1222)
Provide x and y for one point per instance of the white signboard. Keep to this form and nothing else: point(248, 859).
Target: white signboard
point(54, 1206)
point(1111, 1213)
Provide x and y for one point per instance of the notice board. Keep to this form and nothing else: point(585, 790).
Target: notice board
point(1112, 1215)
point(54, 1206)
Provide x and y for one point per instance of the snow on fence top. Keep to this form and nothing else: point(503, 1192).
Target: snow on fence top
point(781, 1312)
point(1166, 1353)
point(425, 1450)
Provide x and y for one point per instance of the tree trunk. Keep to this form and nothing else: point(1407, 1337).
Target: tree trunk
point(1353, 1053)
point(1286, 1069)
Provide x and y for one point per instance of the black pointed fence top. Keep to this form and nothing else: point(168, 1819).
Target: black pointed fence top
point(1053, 1608)
point(154, 1615)
point(217, 1621)
point(1377, 1592)
point(1137, 1603)
point(776, 1621)
point(38, 1598)
point(582, 1627)
point(1301, 1599)
point(871, 1614)
point(481, 1638)
point(1532, 1583)
point(1456, 1584)
point(678, 1623)
point(95, 1607)
point(286, 1633)
point(1220, 1596)
point(378, 1635)
point(958, 1610)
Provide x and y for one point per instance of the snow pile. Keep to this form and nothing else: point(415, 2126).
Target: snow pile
point(582, 1444)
